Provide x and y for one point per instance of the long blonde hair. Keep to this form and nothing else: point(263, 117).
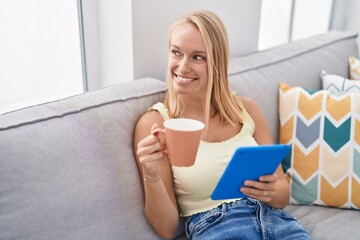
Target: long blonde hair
point(219, 95)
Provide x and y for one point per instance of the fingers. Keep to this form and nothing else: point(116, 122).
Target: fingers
point(154, 126)
point(269, 178)
point(262, 195)
point(263, 190)
point(149, 141)
point(151, 152)
point(146, 151)
point(153, 131)
point(149, 146)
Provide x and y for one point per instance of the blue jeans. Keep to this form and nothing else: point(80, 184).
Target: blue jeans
point(244, 219)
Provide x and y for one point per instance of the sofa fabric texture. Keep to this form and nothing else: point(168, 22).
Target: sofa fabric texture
point(67, 168)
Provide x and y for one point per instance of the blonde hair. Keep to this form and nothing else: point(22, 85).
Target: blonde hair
point(219, 95)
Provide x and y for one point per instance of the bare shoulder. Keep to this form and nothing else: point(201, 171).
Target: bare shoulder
point(262, 134)
point(250, 105)
point(148, 119)
point(144, 124)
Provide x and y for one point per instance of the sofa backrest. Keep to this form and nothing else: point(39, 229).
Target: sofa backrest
point(67, 169)
point(298, 63)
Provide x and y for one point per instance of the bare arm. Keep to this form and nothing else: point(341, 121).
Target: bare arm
point(272, 189)
point(160, 202)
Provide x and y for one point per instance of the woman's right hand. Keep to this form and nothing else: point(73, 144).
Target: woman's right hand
point(151, 151)
point(161, 209)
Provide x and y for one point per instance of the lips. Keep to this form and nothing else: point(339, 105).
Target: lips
point(184, 79)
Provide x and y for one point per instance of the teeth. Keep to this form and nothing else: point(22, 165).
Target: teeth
point(183, 79)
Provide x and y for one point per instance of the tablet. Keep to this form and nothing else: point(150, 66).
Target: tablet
point(248, 163)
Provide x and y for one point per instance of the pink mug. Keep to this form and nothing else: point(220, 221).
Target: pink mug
point(182, 138)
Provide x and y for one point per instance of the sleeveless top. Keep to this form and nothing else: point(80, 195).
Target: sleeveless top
point(194, 185)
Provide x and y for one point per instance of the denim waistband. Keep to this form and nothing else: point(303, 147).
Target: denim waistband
point(245, 218)
point(225, 206)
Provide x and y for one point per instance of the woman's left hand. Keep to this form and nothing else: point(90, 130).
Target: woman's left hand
point(262, 190)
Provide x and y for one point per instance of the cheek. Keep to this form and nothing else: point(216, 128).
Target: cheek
point(171, 64)
point(203, 71)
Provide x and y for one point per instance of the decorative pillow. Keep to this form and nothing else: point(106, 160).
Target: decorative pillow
point(324, 130)
point(354, 65)
point(338, 85)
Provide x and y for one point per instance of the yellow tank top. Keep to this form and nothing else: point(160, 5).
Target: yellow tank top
point(194, 185)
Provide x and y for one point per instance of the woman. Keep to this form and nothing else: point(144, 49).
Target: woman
point(198, 88)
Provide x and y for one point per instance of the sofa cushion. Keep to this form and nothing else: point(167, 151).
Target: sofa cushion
point(325, 223)
point(324, 165)
point(338, 85)
point(299, 63)
point(67, 169)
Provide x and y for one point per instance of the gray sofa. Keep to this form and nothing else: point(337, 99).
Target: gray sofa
point(67, 169)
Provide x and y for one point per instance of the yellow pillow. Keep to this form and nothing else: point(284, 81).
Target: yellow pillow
point(354, 65)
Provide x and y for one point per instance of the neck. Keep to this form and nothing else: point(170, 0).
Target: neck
point(196, 109)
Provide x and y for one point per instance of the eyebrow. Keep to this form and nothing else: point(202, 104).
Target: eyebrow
point(194, 52)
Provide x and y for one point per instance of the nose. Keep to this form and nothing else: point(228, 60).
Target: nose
point(185, 65)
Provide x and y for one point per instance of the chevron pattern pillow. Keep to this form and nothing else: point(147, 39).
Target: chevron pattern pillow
point(354, 65)
point(324, 130)
point(338, 85)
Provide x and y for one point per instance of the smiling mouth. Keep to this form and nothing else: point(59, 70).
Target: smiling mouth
point(184, 79)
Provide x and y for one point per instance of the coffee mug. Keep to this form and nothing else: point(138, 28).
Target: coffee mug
point(182, 138)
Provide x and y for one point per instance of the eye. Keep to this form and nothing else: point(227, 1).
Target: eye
point(199, 57)
point(175, 52)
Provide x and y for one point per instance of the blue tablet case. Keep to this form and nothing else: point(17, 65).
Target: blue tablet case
point(248, 163)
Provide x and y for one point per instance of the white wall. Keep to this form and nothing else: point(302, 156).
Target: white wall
point(346, 16)
point(352, 22)
point(151, 21)
point(115, 41)
point(126, 40)
point(108, 42)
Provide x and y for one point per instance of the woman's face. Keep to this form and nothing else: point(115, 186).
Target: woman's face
point(187, 61)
